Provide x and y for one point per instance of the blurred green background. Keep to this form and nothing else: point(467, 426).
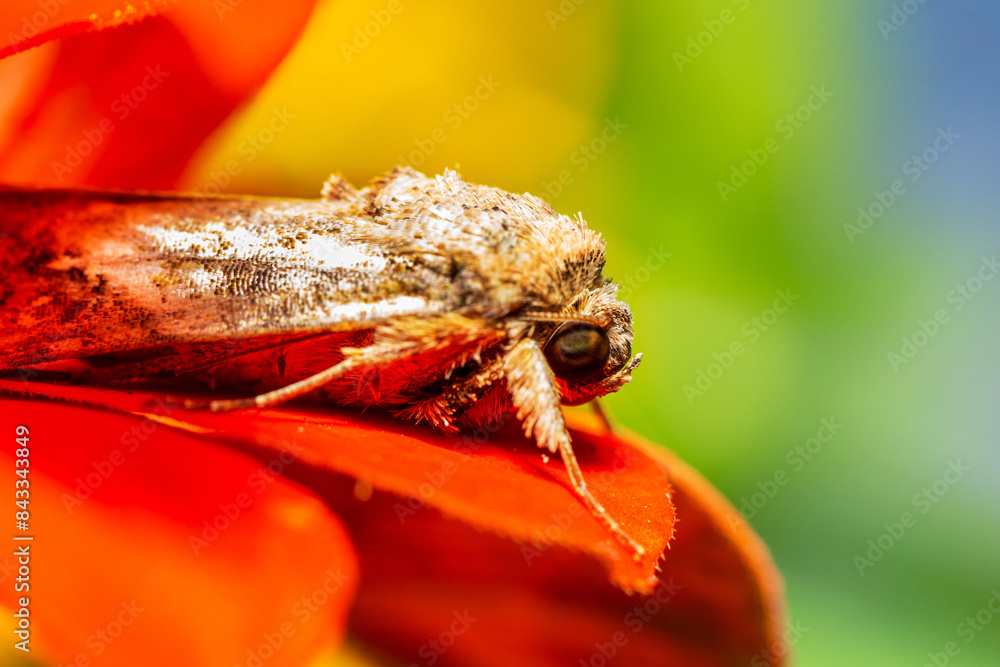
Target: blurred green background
point(724, 149)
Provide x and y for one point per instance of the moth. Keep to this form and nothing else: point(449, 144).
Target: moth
point(443, 301)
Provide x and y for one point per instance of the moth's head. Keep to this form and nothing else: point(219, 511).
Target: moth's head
point(589, 347)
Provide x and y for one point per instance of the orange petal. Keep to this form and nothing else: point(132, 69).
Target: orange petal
point(127, 108)
point(28, 23)
point(439, 588)
point(500, 484)
point(463, 597)
point(150, 545)
point(717, 601)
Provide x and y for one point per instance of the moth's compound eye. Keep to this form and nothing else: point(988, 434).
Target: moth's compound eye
point(577, 351)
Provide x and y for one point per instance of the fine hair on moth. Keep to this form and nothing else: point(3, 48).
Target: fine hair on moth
point(446, 302)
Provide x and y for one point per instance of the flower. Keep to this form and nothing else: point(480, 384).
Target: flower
point(218, 529)
point(80, 112)
point(167, 536)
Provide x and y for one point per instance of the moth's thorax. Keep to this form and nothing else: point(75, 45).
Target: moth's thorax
point(525, 253)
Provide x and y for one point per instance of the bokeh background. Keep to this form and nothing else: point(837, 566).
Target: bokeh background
point(634, 113)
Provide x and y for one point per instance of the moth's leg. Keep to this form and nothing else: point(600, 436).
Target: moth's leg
point(537, 399)
point(602, 415)
point(278, 396)
point(440, 410)
point(402, 339)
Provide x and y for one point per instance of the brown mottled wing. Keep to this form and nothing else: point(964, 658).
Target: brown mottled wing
point(92, 273)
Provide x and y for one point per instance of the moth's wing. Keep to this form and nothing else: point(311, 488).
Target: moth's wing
point(163, 362)
point(91, 273)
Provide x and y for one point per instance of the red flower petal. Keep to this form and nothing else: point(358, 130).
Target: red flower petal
point(28, 23)
point(138, 123)
point(718, 601)
point(118, 505)
point(501, 484)
point(557, 610)
point(536, 600)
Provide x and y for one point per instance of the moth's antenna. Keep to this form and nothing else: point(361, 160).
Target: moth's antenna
point(546, 316)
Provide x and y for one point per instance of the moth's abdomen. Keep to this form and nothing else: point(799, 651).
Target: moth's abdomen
point(50, 306)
